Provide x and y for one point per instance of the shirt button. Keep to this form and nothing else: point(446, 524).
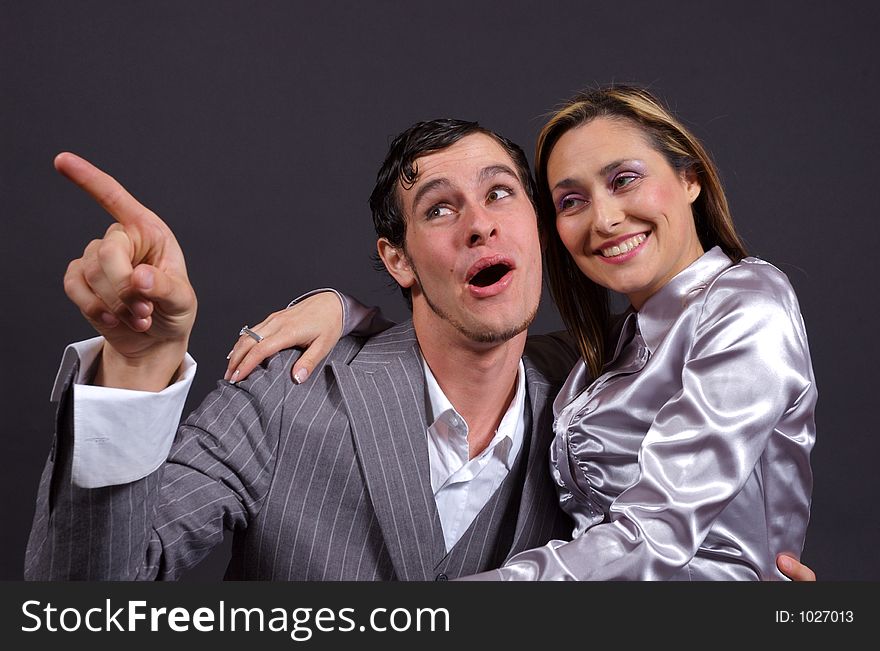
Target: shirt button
point(441, 577)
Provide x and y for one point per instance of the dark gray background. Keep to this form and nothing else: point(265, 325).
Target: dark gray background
point(255, 130)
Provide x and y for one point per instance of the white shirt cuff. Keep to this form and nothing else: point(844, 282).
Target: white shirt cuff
point(119, 435)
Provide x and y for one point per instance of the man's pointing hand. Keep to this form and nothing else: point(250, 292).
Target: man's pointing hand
point(131, 285)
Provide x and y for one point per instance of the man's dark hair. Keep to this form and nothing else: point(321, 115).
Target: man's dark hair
point(399, 166)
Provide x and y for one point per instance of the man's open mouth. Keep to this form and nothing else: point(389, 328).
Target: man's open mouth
point(490, 275)
point(488, 271)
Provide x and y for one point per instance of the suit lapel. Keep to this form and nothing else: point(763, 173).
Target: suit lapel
point(537, 491)
point(383, 389)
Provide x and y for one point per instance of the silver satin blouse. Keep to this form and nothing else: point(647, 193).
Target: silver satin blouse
point(688, 459)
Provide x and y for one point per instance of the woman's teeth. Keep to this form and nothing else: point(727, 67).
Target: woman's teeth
point(624, 247)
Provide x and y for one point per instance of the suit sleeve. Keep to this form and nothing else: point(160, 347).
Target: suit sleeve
point(216, 475)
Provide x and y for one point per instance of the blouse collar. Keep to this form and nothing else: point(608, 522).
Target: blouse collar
point(663, 308)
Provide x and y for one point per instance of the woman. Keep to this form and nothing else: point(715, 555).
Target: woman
point(687, 457)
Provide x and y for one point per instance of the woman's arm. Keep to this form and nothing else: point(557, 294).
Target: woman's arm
point(314, 322)
point(318, 319)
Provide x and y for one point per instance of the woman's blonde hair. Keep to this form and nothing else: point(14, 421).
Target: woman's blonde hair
point(583, 304)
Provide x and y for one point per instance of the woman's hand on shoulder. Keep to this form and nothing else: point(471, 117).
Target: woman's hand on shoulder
point(313, 324)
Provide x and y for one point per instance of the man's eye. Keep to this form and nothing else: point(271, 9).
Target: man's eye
point(498, 193)
point(623, 180)
point(438, 211)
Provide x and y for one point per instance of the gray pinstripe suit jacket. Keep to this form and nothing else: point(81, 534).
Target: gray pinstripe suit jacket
point(324, 481)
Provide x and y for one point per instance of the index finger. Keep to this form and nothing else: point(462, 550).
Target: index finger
point(104, 189)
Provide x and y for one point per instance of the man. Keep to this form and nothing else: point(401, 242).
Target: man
point(347, 477)
point(333, 479)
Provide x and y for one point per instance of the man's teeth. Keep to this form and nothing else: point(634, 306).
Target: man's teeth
point(624, 247)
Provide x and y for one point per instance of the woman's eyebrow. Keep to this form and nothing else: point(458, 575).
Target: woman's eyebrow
point(605, 171)
point(610, 167)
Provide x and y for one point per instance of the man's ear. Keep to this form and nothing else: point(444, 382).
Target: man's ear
point(396, 263)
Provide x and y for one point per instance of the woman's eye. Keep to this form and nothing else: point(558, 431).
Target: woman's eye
point(438, 211)
point(498, 193)
point(568, 202)
point(623, 180)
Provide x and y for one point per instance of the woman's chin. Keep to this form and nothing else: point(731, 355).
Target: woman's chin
point(622, 281)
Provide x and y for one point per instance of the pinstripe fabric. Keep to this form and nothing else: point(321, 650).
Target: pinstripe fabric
point(323, 481)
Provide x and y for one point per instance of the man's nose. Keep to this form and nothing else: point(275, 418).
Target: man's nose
point(483, 226)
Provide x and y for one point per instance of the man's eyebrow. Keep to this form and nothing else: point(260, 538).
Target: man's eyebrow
point(494, 170)
point(428, 187)
point(564, 183)
point(486, 173)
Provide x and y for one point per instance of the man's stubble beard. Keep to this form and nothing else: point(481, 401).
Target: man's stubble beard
point(482, 337)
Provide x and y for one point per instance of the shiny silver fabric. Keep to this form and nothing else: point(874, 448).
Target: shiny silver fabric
point(688, 459)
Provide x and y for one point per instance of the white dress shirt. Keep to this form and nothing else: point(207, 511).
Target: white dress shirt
point(462, 486)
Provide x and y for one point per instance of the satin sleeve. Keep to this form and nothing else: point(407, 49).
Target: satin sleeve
point(357, 319)
point(748, 365)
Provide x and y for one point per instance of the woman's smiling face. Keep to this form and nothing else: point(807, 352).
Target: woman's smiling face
point(622, 211)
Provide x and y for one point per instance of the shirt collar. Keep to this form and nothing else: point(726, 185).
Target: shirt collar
point(438, 403)
point(512, 423)
point(662, 309)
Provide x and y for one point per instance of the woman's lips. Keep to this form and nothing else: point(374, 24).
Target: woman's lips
point(634, 244)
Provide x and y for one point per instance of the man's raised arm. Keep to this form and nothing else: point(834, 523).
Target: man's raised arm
point(131, 286)
point(104, 507)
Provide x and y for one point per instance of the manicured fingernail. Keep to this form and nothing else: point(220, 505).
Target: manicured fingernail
point(109, 319)
point(301, 376)
point(229, 354)
point(235, 376)
point(785, 562)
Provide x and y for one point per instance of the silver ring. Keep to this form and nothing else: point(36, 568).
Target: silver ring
point(250, 333)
